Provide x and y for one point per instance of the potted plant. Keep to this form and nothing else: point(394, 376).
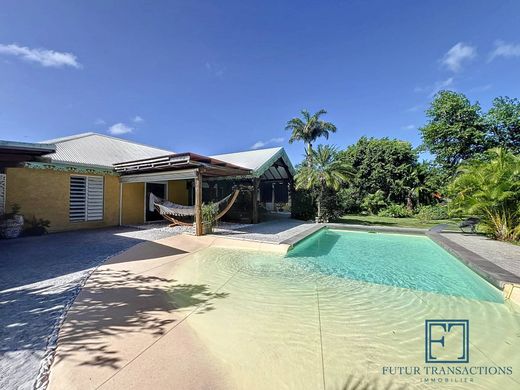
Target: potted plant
point(11, 224)
point(209, 214)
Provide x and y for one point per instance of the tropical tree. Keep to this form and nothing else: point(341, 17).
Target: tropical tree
point(326, 170)
point(503, 121)
point(308, 129)
point(490, 189)
point(384, 165)
point(456, 130)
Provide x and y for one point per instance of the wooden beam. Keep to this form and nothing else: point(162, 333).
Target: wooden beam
point(198, 203)
point(254, 195)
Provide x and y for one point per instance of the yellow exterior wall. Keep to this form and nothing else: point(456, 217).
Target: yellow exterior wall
point(177, 192)
point(44, 193)
point(133, 204)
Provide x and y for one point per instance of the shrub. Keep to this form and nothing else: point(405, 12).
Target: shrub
point(36, 226)
point(302, 205)
point(490, 189)
point(433, 212)
point(332, 207)
point(209, 213)
point(349, 199)
point(373, 203)
point(395, 211)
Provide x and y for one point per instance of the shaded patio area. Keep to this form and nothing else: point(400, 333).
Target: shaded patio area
point(39, 279)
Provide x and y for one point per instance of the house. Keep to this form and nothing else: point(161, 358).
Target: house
point(92, 180)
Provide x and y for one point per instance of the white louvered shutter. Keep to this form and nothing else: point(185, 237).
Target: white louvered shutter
point(86, 198)
point(78, 198)
point(94, 198)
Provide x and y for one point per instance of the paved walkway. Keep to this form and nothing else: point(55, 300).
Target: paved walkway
point(274, 231)
point(501, 254)
point(39, 278)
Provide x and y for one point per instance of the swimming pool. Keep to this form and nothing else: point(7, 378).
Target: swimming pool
point(337, 309)
point(407, 261)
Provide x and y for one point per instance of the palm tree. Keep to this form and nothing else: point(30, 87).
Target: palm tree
point(309, 129)
point(326, 170)
point(491, 190)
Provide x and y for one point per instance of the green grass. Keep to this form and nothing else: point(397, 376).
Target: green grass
point(373, 220)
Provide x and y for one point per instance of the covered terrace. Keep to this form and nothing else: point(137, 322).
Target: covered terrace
point(176, 177)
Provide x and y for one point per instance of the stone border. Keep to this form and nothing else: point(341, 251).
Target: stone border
point(486, 269)
point(294, 240)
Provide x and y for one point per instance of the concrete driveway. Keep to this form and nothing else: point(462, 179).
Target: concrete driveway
point(39, 279)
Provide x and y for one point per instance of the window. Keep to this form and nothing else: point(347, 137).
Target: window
point(86, 198)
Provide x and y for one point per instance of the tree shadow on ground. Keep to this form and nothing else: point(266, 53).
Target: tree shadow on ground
point(369, 383)
point(118, 304)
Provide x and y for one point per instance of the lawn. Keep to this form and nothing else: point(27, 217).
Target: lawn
point(372, 220)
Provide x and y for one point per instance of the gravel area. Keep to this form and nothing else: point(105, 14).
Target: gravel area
point(503, 254)
point(39, 279)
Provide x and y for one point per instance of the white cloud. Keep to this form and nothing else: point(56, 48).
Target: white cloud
point(272, 141)
point(119, 128)
point(216, 69)
point(100, 122)
point(458, 54)
point(505, 50)
point(44, 57)
point(441, 85)
point(258, 145)
point(414, 108)
point(137, 119)
point(409, 127)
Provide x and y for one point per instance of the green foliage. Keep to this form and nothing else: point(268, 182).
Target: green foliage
point(324, 170)
point(455, 131)
point(209, 213)
point(332, 207)
point(309, 128)
point(15, 210)
point(395, 211)
point(432, 212)
point(375, 202)
point(490, 189)
point(36, 226)
point(302, 205)
point(386, 165)
point(503, 121)
point(349, 200)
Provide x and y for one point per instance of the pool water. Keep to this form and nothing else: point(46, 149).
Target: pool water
point(337, 309)
point(413, 262)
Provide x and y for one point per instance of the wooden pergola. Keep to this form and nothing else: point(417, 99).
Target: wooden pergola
point(179, 166)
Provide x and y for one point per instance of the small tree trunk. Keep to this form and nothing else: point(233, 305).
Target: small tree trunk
point(309, 154)
point(320, 196)
point(409, 203)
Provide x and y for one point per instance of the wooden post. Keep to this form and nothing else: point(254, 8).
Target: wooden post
point(254, 195)
point(198, 203)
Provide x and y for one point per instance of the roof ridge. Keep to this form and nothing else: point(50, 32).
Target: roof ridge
point(249, 151)
point(67, 138)
point(91, 133)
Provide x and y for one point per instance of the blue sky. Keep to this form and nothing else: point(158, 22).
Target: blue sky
point(214, 77)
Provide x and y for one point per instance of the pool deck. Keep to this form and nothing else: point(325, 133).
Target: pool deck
point(122, 315)
point(119, 329)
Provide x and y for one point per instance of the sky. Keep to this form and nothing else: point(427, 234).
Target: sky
point(223, 76)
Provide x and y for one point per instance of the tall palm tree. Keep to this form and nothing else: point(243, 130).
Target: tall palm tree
point(308, 129)
point(327, 170)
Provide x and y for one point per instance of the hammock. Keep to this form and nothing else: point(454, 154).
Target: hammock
point(170, 210)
